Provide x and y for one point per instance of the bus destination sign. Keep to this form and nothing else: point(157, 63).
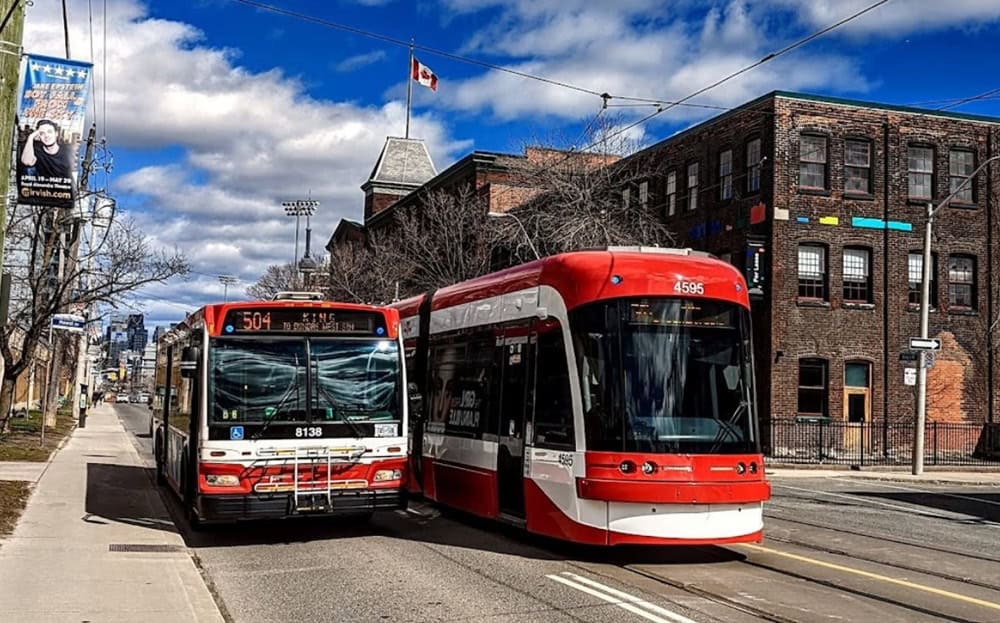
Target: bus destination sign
point(303, 320)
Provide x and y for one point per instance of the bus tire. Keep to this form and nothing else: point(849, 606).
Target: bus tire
point(161, 478)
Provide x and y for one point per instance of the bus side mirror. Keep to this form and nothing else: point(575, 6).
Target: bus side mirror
point(416, 401)
point(189, 361)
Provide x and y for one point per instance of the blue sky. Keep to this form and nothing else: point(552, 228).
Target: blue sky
point(217, 111)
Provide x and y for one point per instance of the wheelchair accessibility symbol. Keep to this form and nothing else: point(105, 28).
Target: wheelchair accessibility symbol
point(235, 433)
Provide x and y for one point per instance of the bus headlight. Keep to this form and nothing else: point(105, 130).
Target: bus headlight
point(387, 474)
point(222, 480)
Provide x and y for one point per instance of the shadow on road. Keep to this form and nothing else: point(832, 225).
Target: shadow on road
point(975, 503)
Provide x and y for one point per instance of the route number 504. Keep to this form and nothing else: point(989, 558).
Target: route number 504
point(689, 287)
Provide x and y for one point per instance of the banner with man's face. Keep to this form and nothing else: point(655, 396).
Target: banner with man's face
point(50, 116)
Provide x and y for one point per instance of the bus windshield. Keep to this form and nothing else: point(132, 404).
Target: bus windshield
point(263, 381)
point(355, 381)
point(258, 380)
point(665, 375)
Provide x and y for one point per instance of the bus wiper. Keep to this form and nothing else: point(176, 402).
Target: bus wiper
point(270, 420)
point(333, 403)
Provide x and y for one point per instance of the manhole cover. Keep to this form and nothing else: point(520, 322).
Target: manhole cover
point(145, 548)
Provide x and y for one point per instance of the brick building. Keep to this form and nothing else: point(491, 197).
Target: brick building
point(821, 201)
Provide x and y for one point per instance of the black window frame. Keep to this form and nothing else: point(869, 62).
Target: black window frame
point(867, 192)
point(971, 188)
point(820, 285)
point(933, 173)
point(914, 294)
point(726, 178)
point(670, 203)
point(753, 167)
point(692, 191)
point(826, 162)
point(823, 389)
point(864, 288)
point(973, 285)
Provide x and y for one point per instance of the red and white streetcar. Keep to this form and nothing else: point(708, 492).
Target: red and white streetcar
point(601, 397)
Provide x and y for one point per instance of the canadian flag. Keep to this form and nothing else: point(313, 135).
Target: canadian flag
point(423, 74)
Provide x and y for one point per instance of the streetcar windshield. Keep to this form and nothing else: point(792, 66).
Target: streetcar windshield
point(258, 380)
point(665, 375)
point(355, 381)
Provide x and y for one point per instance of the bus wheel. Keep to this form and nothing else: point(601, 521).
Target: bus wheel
point(158, 457)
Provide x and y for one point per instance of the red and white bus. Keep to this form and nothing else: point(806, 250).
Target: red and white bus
point(279, 408)
point(602, 397)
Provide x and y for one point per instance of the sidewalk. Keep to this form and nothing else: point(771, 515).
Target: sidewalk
point(966, 478)
point(95, 497)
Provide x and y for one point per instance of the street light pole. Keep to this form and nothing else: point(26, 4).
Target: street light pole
point(298, 209)
point(523, 230)
point(925, 297)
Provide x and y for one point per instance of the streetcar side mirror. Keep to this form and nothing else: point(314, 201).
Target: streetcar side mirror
point(189, 361)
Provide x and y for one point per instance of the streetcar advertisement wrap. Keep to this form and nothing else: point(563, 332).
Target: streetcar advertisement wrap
point(50, 117)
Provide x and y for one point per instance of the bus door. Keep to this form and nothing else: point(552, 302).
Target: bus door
point(518, 371)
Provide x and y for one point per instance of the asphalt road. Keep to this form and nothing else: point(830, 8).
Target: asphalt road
point(836, 550)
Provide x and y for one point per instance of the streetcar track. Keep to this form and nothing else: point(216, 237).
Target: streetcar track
point(889, 539)
point(905, 567)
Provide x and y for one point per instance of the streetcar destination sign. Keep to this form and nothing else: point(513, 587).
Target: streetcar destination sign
point(303, 320)
point(925, 343)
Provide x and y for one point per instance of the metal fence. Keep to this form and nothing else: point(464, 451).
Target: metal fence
point(819, 440)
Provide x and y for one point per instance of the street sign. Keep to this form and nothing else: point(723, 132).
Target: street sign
point(925, 343)
point(929, 360)
point(68, 322)
point(911, 356)
point(910, 376)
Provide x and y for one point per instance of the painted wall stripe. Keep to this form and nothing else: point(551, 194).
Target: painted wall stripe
point(829, 220)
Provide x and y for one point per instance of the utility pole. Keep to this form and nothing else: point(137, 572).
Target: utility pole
point(226, 281)
point(11, 31)
point(925, 298)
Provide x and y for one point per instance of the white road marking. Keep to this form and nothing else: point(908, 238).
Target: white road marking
point(931, 491)
point(619, 598)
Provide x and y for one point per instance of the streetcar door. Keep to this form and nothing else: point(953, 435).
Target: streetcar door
point(518, 371)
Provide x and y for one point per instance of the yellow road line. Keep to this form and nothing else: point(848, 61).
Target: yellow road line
point(874, 576)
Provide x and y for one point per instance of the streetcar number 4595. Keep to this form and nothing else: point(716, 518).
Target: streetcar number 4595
point(689, 287)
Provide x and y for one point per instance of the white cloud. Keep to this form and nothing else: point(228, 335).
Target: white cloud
point(249, 140)
point(896, 17)
point(353, 63)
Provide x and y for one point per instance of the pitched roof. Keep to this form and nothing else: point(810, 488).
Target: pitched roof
point(403, 161)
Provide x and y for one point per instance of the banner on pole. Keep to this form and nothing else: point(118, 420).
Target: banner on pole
point(50, 115)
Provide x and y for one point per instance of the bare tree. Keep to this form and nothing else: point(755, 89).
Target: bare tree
point(119, 262)
point(444, 239)
point(590, 199)
point(367, 271)
point(277, 278)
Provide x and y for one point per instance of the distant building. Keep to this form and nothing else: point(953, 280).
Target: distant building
point(137, 336)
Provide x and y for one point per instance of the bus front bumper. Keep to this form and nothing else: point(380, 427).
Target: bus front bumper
point(226, 508)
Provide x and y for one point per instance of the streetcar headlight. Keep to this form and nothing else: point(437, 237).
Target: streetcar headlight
point(222, 480)
point(753, 467)
point(387, 474)
point(741, 468)
point(627, 467)
point(648, 467)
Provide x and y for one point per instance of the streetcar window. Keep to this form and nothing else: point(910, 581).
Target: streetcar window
point(553, 408)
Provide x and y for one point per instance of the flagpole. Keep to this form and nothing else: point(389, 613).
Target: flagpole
point(409, 89)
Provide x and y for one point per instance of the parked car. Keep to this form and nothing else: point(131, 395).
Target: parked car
point(122, 398)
